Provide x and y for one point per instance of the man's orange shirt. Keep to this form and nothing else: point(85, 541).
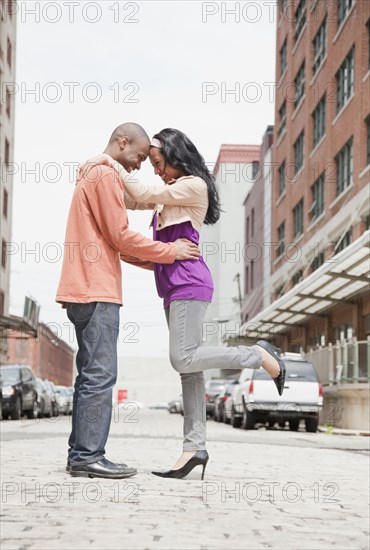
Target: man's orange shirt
point(97, 236)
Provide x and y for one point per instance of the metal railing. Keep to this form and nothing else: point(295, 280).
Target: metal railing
point(344, 362)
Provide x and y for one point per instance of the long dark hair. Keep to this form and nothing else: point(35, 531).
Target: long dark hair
point(181, 153)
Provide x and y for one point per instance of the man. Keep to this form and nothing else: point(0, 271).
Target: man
point(90, 289)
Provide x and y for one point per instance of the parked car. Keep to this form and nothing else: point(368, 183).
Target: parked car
point(219, 410)
point(64, 400)
point(1, 403)
point(174, 406)
point(255, 399)
point(42, 398)
point(213, 388)
point(19, 392)
point(51, 390)
point(162, 405)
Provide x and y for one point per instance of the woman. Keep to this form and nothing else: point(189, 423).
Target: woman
point(187, 200)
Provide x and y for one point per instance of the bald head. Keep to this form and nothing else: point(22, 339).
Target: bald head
point(131, 130)
point(129, 145)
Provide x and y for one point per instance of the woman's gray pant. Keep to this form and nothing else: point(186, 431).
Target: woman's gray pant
point(189, 358)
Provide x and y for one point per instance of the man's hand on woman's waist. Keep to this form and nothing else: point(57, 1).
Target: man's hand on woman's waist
point(186, 250)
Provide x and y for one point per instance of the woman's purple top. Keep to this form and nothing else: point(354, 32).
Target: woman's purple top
point(184, 279)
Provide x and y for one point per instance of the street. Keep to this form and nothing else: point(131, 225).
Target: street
point(262, 489)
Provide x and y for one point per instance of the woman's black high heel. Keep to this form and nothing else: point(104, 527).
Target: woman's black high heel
point(200, 458)
point(274, 352)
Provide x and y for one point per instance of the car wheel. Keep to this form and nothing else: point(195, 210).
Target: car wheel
point(33, 413)
point(271, 423)
point(312, 424)
point(216, 417)
point(281, 424)
point(225, 419)
point(17, 411)
point(248, 420)
point(294, 425)
point(236, 421)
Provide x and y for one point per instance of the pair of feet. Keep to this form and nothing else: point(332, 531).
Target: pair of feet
point(106, 469)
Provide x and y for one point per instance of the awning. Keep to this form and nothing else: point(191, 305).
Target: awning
point(335, 282)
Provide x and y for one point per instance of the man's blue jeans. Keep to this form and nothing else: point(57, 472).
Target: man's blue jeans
point(97, 327)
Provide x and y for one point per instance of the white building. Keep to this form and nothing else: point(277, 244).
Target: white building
point(223, 243)
point(7, 78)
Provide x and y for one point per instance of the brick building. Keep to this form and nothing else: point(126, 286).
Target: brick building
point(49, 356)
point(257, 215)
point(320, 199)
point(320, 195)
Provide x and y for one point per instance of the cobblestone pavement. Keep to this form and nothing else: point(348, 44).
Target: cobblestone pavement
point(262, 489)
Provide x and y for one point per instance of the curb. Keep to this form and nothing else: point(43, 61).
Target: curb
point(342, 431)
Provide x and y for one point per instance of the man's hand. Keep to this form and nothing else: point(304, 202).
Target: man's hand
point(186, 250)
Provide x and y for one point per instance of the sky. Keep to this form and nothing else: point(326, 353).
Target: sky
point(83, 68)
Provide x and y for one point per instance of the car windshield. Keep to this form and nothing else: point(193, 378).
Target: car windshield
point(297, 371)
point(216, 386)
point(10, 376)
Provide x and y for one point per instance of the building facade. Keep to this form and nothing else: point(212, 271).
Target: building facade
point(8, 26)
point(320, 194)
point(258, 234)
point(223, 243)
point(320, 201)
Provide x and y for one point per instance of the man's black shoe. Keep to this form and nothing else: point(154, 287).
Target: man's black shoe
point(102, 468)
point(68, 467)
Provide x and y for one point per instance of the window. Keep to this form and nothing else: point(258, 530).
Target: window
point(247, 280)
point(344, 167)
point(282, 178)
point(9, 52)
point(3, 253)
point(297, 277)
point(344, 241)
point(298, 219)
point(252, 222)
point(7, 101)
point(319, 47)
point(7, 152)
point(368, 140)
point(345, 80)
point(10, 8)
point(26, 375)
point(255, 169)
point(300, 19)
point(299, 84)
point(319, 121)
point(281, 239)
point(343, 8)
point(283, 57)
point(5, 203)
point(279, 291)
point(298, 152)
point(283, 6)
point(317, 261)
point(252, 274)
point(343, 332)
point(282, 118)
point(317, 189)
point(2, 302)
point(247, 231)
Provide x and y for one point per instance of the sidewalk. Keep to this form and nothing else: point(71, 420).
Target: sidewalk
point(262, 489)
